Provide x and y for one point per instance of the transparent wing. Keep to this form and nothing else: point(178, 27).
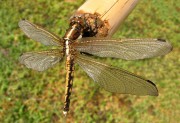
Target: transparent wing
point(39, 34)
point(41, 61)
point(129, 49)
point(116, 80)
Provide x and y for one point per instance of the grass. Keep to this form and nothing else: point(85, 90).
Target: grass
point(34, 97)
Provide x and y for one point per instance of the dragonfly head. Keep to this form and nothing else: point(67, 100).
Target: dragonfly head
point(91, 24)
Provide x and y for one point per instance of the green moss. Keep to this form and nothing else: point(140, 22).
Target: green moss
point(30, 96)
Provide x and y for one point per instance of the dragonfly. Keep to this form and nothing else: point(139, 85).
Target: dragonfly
point(79, 50)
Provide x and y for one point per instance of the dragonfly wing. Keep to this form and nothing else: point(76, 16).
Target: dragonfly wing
point(116, 80)
point(39, 34)
point(41, 61)
point(129, 49)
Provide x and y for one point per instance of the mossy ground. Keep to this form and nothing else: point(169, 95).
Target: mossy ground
point(27, 96)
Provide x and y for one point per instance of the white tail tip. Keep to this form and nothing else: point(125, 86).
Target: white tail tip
point(65, 113)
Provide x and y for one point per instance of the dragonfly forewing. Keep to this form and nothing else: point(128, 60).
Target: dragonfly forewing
point(39, 34)
point(129, 49)
point(116, 80)
point(42, 60)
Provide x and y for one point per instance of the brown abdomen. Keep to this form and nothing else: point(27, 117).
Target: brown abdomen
point(69, 82)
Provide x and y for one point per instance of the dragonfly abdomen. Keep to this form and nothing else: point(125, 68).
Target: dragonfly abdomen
point(69, 82)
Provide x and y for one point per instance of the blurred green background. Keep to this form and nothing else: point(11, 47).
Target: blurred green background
point(37, 97)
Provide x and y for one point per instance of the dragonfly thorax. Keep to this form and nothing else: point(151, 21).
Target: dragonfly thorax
point(73, 32)
point(71, 35)
point(67, 47)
